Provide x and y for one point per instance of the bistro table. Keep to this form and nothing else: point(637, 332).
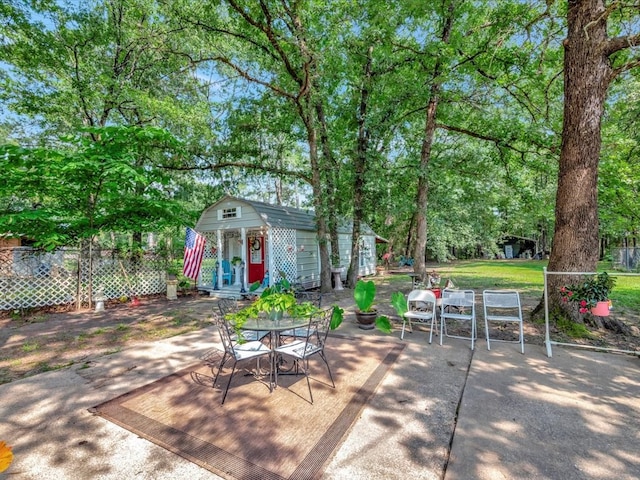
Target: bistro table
point(274, 327)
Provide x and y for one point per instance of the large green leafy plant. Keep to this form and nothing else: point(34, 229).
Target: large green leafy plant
point(364, 295)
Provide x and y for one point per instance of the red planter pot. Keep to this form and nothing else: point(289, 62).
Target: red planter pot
point(601, 309)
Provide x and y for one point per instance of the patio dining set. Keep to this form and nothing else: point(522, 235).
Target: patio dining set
point(288, 343)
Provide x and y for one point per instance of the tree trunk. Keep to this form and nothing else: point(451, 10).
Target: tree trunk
point(425, 154)
point(330, 170)
point(587, 74)
point(316, 185)
point(360, 167)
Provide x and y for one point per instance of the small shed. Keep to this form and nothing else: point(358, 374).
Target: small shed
point(265, 240)
point(515, 246)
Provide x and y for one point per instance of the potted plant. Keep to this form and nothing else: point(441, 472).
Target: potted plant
point(592, 295)
point(172, 271)
point(275, 301)
point(366, 314)
point(236, 261)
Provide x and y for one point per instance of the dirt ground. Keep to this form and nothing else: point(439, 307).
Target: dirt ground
point(38, 341)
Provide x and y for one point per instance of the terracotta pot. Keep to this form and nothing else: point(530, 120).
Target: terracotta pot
point(601, 309)
point(366, 320)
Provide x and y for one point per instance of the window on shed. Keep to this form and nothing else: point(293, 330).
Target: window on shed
point(226, 213)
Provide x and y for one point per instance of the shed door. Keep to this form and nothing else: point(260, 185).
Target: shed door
point(255, 255)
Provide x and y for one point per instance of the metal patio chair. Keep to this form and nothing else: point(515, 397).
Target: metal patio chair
point(421, 307)
point(238, 352)
point(313, 344)
point(459, 305)
point(503, 306)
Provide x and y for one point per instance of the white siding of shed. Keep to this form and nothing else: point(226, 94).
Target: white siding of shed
point(368, 263)
point(308, 259)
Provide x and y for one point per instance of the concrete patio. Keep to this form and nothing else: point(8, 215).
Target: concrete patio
point(442, 412)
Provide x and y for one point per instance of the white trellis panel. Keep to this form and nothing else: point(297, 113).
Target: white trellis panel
point(284, 253)
point(209, 259)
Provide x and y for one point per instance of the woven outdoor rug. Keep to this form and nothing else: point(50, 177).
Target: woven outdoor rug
point(257, 434)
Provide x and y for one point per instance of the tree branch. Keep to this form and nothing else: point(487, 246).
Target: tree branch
point(247, 76)
point(247, 165)
point(616, 44)
point(627, 66)
point(499, 142)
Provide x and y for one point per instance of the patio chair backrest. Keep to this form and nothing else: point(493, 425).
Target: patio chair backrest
point(501, 299)
point(458, 298)
point(227, 305)
point(314, 298)
point(225, 335)
point(420, 299)
point(317, 331)
point(226, 266)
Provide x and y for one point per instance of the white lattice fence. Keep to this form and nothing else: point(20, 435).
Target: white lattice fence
point(126, 279)
point(208, 260)
point(284, 253)
point(33, 279)
point(29, 292)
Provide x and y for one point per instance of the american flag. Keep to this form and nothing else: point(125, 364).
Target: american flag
point(193, 252)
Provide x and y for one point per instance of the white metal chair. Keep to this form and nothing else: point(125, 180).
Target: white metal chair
point(421, 307)
point(313, 343)
point(238, 352)
point(503, 306)
point(458, 305)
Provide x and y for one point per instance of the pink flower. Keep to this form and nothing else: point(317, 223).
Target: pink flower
point(583, 303)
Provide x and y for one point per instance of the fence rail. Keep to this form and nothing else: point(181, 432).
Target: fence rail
point(30, 278)
point(547, 337)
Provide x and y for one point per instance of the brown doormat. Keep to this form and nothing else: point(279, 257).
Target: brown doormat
point(257, 434)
